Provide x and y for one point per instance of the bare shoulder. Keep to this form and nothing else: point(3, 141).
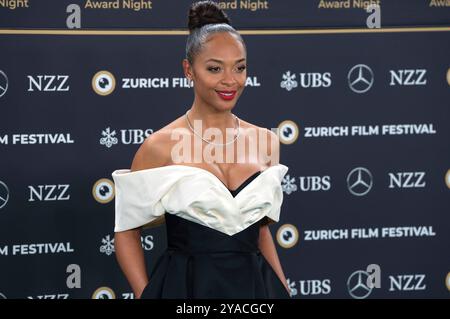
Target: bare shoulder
point(273, 142)
point(261, 130)
point(151, 152)
point(155, 151)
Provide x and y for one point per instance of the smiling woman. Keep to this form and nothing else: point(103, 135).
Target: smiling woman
point(216, 58)
point(216, 213)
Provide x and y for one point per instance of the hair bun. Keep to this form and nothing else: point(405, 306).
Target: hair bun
point(206, 12)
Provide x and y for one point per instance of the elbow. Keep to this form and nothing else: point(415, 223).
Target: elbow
point(126, 238)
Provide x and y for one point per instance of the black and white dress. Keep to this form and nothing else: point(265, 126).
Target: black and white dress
point(212, 231)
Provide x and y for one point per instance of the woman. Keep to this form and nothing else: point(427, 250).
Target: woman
point(216, 212)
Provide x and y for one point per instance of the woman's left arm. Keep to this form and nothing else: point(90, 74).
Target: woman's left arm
point(267, 248)
point(266, 244)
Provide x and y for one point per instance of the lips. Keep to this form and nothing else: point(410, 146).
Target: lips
point(227, 95)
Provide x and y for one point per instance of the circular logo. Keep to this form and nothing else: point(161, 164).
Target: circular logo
point(103, 190)
point(447, 178)
point(447, 281)
point(359, 181)
point(287, 132)
point(287, 236)
point(3, 83)
point(360, 78)
point(104, 293)
point(4, 194)
point(103, 83)
point(357, 285)
point(448, 76)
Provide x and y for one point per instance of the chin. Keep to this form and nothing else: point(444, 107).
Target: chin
point(228, 107)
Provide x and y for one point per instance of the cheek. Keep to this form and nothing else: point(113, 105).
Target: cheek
point(242, 79)
point(207, 81)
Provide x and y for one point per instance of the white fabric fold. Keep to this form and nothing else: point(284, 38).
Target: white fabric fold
point(193, 193)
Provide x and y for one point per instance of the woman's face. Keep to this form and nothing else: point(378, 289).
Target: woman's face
point(219, 71)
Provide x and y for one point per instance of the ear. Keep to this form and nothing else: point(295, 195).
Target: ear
point(187, 69)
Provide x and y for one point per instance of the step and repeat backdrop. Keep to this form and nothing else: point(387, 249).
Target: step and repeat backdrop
point(363, 118)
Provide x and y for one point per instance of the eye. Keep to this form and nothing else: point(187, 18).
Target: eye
point(214, 69)
point(242, 68)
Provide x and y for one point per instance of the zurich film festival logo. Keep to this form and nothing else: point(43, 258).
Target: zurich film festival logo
point(287, 236)
point(288, 132)
point(103, 83)
point(289, 82)
point(359, 181)
point(104, 293)
point(4, 194)
point(360, 78)
point(103, 190)
point(3, 83)
point(361, 282)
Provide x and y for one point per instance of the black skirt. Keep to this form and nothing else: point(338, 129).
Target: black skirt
point(203, 263)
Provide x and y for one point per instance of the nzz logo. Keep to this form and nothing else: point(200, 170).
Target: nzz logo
point(49, 192)
point(412, 282)
point(48, 83)
point(408, 77)
point(407, 180)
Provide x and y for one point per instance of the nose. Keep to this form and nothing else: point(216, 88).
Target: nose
point(228, 78)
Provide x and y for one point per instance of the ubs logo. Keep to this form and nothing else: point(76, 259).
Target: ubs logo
point(289, 82)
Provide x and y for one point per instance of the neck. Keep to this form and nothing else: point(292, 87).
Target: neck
point(212, 118)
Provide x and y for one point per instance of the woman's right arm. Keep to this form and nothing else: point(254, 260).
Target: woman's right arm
point(130, 255)
point(127, 244)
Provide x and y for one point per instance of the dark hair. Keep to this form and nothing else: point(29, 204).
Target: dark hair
point(206, 18)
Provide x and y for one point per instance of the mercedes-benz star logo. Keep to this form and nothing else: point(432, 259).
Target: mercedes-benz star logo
point(360, 78)
point(357, 285)
point(3, 83)
point(359, 181)
point(4, 194)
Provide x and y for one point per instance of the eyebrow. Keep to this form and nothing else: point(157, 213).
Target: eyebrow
point(220, 61)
